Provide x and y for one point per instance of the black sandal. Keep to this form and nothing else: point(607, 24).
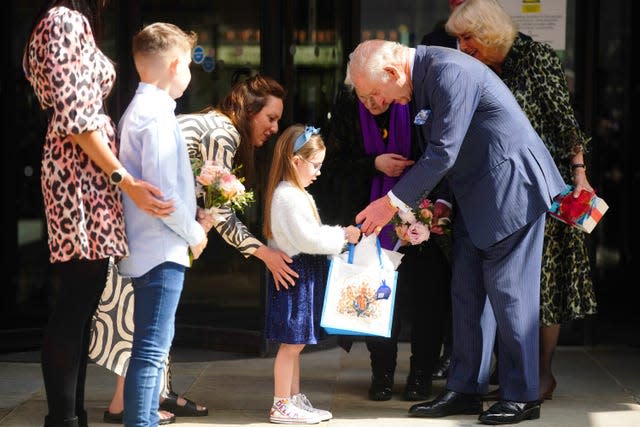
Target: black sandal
point(189, 409)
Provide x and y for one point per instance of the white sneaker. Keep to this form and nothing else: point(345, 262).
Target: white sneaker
point(301, 401)
point(285, 412)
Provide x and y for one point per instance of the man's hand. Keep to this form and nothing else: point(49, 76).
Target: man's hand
point(376, 215)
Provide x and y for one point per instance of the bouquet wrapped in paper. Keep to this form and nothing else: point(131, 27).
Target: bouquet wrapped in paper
point(582, 212)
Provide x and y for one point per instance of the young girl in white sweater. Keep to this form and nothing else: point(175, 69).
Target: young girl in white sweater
point(292, 224)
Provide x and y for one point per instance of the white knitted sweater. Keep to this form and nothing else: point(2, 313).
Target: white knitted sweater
point(295, 228)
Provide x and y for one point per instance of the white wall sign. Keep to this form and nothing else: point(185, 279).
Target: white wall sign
point(543, 20)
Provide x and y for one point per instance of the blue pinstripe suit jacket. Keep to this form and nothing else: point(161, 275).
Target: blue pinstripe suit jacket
point(477, 138)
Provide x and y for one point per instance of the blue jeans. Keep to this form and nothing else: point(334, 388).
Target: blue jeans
point(156, 294)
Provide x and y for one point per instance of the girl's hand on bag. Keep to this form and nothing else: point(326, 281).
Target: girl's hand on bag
point(352, 233)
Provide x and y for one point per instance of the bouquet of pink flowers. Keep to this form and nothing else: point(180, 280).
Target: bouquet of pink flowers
point(416, 226)
point(217, 187)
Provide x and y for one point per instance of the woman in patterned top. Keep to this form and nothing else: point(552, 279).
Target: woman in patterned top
point(245, 119)
point(534, 74)
point(71, 77)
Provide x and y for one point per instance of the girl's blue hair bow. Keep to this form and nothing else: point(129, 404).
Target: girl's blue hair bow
point(309, 131)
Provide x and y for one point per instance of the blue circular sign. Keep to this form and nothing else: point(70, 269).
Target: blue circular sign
point(198, 54)
point(208, 64)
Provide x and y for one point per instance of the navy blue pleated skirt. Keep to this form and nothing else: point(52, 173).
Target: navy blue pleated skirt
point(293, 315)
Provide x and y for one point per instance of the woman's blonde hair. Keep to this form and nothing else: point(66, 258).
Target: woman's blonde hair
point(487, 22)
point(283, 168)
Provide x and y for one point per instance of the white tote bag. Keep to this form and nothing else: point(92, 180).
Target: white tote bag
point(361, 290)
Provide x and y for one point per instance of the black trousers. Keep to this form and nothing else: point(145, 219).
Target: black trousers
point(66, 339)
point(422, 303)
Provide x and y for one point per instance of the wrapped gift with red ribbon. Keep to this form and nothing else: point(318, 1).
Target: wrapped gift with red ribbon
point(582, 212)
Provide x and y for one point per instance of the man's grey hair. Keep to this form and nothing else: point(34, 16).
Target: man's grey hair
point(370, 57)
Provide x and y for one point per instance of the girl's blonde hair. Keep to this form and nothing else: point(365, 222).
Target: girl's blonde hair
point(487, 22)
point(283, 168)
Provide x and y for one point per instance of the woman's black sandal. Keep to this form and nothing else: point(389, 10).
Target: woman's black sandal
point(189, 409)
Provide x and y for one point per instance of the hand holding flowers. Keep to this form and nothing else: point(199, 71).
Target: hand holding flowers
point(217, 187)
point(416, 226)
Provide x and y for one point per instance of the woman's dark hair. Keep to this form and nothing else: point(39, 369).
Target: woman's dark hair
point(91, 9)
point(246, 99)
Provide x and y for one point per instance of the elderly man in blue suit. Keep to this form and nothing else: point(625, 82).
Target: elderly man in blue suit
point(503, 180)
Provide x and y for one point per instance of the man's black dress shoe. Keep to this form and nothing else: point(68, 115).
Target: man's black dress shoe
point(448, 403)
point(508, 412)
point(418, 386)
point(381, 386)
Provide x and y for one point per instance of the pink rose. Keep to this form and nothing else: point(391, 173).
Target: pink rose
point(230, 186)
point(418, 233)
point(209, 172)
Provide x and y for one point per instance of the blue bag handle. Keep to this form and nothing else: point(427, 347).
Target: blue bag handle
point(383, 291)
point(352, 247)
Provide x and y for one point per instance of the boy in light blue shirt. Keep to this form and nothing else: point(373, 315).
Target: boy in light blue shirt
point(152, 148)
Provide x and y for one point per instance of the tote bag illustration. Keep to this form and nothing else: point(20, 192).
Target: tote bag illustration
point(360, 297)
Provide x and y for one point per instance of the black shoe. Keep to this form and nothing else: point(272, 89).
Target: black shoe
point(418, 386)
point(442, 370)
point(493, 395)
point(507, 412)
point(111, 418)
point(82, 418)
point(189, 409)
point(381, 386)
point(448, 403)
point(69, 422)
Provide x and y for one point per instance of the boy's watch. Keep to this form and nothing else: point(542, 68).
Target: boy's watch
point(117, 176)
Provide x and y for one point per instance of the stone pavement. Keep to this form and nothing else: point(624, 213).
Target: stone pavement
point(597, 387)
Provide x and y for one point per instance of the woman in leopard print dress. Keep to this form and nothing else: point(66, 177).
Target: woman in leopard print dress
point(71, 77)
point(534, 74)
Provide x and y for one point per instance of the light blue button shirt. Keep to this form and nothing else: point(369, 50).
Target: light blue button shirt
point(152, 148)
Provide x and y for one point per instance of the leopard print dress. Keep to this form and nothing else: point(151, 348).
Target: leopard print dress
point(71, 77)
point(533, 72)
